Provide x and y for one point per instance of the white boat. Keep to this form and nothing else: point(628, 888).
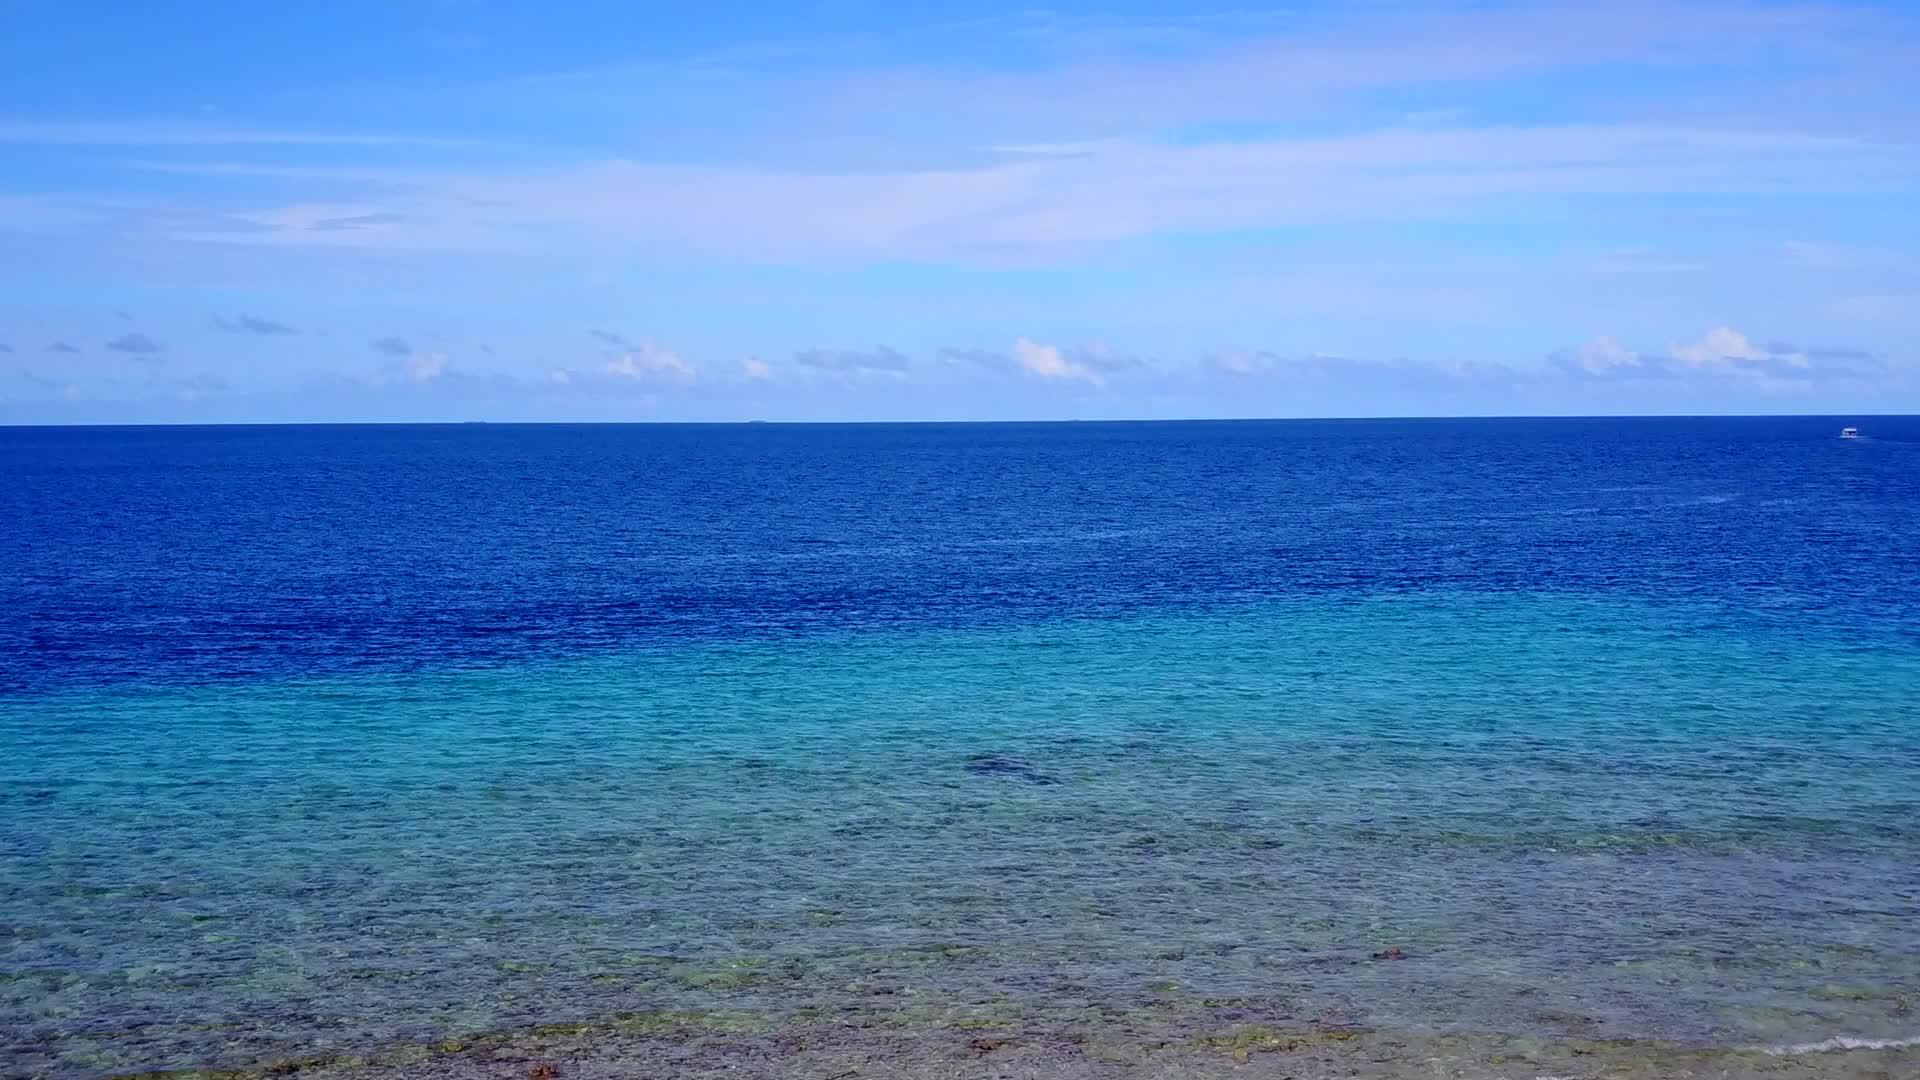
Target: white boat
point(1849, 432)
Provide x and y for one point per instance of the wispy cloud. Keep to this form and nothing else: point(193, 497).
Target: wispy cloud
point(881, 360)
point(75, 134)
point(1098, 356)
point(61, 347)
point(1331, 188)
point(253, 324)
point(136, 344)
point(1059, 78)
point(1876, 306)
point(61, 388)
point(648, 361)
point(1326, 368)
point(195, 387)
point(355, 222)
point(1093, 133)
point(1054, 207)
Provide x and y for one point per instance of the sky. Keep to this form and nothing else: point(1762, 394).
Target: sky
point(438, 210)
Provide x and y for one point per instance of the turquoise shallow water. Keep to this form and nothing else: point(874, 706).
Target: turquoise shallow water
point(341, 741)
point(1574, 814)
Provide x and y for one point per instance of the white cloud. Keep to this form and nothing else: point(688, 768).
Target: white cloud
point(426, 367)
point(1234, 363)
point(756, 368)
point(1048, 362)
point(650, 361)
point(1729, 351)
point(1239, 362)
point(1266, 363)
point(1722, 353)
point(560, 376)
point(1605, 355)
point(1722, 347)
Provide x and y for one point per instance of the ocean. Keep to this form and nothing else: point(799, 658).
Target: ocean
point(437, 748)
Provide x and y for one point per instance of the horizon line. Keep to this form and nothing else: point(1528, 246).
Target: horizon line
point(930, 423)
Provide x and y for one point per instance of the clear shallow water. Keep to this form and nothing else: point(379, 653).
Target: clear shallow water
point(1609, 727)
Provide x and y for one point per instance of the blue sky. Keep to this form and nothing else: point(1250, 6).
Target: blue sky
point(475, 209)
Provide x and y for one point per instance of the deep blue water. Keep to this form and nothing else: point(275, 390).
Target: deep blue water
point(336, 736)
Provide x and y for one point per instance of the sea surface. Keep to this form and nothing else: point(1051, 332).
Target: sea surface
point(329, 740)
